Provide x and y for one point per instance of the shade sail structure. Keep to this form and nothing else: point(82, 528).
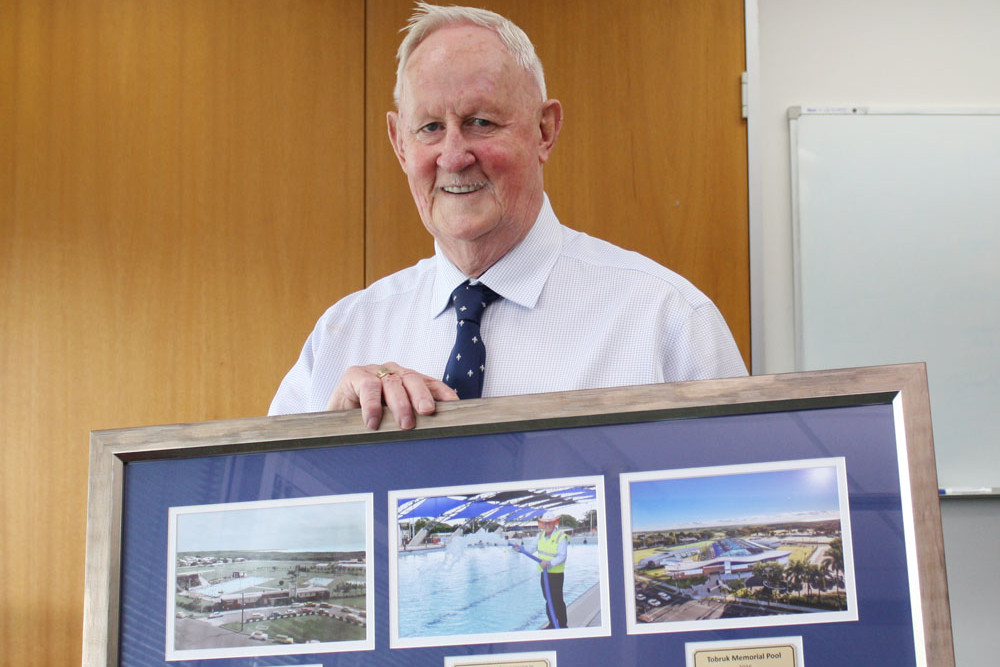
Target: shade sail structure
point(434, 507)
point(473, 510)
point(507, 506)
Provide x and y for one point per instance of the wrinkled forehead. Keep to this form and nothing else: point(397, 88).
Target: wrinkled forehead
point(466, 55)
point(460, 38)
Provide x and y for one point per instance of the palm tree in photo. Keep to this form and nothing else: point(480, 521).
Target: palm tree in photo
point(796, 574)
point(820, 578)
point(835, 559)
point(813, 576)
point(734, 586)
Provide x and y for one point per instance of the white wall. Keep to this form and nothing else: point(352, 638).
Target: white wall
point(853, 52)
point(873, 53)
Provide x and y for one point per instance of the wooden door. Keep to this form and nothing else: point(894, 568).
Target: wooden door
point(180, 196)
point(652, 155)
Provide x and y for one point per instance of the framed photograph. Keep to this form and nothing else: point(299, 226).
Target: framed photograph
point(738, 546)
point(269, 577)
point(788, 518)
point(476, 549)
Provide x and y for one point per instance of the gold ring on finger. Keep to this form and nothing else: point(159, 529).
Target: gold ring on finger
point(382, 372)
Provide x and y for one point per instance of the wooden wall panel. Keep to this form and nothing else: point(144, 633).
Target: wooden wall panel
point(652, 154)
point(182, 195)
point(395, 237)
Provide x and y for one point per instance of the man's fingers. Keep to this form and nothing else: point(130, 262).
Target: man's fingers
point(440, 391)
point(359, 388)
point(406, 393)
point(398, 401)
point(370, 399)
point(424, 391)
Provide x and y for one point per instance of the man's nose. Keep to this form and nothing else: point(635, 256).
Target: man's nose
point(456, 153)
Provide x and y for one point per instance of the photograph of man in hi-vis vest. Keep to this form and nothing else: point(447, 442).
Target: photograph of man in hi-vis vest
point(551, 554)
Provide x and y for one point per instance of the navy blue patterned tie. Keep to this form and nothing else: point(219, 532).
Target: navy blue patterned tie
point(467, 364)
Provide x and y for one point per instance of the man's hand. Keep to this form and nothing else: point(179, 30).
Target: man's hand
point(405, 392)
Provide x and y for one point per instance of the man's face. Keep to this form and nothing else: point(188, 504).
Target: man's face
point(472, 135)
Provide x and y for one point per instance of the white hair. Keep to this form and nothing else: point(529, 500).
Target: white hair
point(428, 18)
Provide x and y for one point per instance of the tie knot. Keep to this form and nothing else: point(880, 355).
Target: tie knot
point(470, 299)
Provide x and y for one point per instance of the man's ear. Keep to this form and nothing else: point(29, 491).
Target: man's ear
point(396, 137)
point(549, 124)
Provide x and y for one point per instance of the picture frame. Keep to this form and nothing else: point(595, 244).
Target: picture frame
point(580, 456)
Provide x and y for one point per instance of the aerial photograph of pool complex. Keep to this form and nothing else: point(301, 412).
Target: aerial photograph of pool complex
point(738, 546)
point(464, 565)
point(270, 576)
point(248, 598)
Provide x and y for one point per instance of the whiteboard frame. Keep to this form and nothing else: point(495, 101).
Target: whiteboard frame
point(955, 476)
point(796, 112)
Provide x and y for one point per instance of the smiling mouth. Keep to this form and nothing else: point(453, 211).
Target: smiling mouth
point(463, 189)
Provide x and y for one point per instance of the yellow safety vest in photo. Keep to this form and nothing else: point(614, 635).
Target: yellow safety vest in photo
point(548, 548)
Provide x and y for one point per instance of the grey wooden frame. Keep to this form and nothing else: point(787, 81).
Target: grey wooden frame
point(112, 450)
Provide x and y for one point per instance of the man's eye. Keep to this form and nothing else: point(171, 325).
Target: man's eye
point(431, 127)
point(481, 122)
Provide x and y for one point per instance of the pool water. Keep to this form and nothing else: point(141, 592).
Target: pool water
point(472, 588)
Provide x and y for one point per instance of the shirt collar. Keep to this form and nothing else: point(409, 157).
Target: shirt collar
point(518, 276)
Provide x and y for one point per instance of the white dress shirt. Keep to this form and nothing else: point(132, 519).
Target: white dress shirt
point(576, 313)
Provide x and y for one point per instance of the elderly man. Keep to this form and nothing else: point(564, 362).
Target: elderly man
point(472, 131)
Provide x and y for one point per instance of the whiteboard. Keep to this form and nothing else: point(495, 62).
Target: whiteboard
point(896, 234)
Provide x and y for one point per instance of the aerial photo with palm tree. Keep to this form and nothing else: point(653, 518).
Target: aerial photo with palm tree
point(728, 544)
